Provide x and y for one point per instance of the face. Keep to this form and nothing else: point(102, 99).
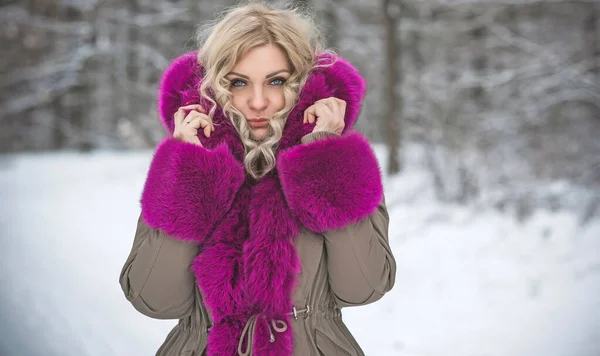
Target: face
point(257, 86)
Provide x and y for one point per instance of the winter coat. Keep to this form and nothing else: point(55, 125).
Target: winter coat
point(260, 267)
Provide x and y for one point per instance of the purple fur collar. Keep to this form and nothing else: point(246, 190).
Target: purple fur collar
point(247, 266)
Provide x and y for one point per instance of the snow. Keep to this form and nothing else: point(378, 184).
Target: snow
point(471, 281)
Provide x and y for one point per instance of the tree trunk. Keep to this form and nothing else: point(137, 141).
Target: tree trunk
point(391, 14)
point(592, 38)
point(478, 63)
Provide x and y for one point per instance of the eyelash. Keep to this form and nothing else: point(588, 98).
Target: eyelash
point(233, 82)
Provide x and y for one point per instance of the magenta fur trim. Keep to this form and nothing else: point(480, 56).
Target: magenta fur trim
point(182, 177)
point(332, 182)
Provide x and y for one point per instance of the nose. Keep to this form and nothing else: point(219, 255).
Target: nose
point(258, 101)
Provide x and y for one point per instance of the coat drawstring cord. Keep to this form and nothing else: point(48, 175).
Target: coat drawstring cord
point(250, 328)
point(274, 324)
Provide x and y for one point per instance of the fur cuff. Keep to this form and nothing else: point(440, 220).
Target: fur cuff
point(189, 188)
point(331, 182)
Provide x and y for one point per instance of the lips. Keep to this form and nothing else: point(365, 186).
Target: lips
point(258, 122)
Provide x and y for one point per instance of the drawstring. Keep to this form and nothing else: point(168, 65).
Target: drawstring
point(250, 325)
point(249, 329)
point(273, 324)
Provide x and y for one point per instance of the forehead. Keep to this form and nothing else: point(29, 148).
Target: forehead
point(262, 60)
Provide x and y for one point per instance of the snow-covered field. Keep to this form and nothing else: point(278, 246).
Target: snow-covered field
point(470, 282)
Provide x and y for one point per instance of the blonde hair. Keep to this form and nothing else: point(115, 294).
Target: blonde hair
point(226, 40)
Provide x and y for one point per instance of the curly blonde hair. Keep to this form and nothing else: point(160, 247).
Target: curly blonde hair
point(227, 39)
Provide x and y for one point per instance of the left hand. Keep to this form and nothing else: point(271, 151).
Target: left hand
point(328, 113)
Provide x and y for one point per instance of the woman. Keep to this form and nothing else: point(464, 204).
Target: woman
point(262, 213)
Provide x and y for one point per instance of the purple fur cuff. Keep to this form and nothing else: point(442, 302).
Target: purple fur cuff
point(189, 188)
point(331, 182)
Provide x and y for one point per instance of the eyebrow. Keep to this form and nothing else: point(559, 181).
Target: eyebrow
point(267, 76)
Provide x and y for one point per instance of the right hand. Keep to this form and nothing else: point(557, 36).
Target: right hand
point(186, 126)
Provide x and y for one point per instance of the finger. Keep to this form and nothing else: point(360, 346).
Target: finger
point(191, 116)
point(205, 119)
point(326, 103)
point(208, 120)
point(196, 120)
point(179, 116)
point(305, 120)
point(342, 105)
point(202, 121)
point(324, 114)
point(306, 112)
point(334, 106)
point(323, 109)
point(193, 106)
point(340, 108)
point(331, 104)
point(310, 115)
point(207, 123)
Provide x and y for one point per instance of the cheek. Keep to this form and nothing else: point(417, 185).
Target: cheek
point(238, 102)
point(278, 101)
point(236, 99)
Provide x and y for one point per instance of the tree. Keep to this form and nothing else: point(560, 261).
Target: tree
point(394, 103)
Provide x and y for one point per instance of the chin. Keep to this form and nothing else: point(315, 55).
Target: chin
point(259, 139)
point(259, 136)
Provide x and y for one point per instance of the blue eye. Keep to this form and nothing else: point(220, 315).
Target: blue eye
point(235, 81)
point(281, 80)
point(238, 83)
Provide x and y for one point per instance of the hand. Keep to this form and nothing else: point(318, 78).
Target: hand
point(328, 113)
point(186, 126)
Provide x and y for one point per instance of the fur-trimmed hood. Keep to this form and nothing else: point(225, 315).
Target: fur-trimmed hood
point(181, 80)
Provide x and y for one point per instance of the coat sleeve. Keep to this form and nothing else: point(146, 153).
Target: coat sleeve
point(360, 262)
point(333, 184)
point(156, 277)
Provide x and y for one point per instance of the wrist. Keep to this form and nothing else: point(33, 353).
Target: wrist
point(318, 135)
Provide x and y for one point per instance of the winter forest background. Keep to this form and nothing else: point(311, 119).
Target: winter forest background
point(475, 83)
point(485, 115)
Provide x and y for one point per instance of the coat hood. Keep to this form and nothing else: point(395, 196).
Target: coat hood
point(181, 80)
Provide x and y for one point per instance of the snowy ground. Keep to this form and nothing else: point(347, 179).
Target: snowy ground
point(469, 283)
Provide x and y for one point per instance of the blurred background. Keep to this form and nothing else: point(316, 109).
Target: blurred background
point(485, 116)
